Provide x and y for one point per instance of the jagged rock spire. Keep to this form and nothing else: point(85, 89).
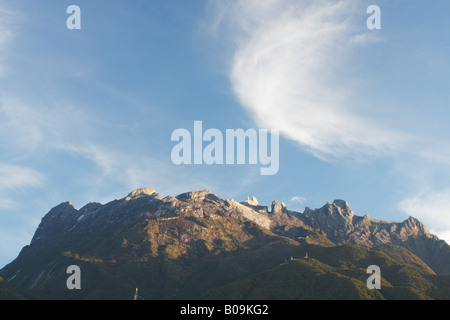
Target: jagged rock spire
point(252, 202)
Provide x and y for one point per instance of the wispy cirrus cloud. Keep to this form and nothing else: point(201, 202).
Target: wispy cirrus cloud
point(62, 128)
point(13, 177)
point(32, 124)
point(286, 69)
point(130, 171)
point(7, 204)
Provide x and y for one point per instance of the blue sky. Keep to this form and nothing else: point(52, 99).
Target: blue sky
point(87, 115)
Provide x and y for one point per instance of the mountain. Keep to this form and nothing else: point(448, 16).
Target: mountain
point(198, 246)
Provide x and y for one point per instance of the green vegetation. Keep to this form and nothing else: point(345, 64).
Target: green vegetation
point(338, 273)
point(223, 258)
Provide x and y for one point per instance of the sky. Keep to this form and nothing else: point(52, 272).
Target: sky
point(87, 115)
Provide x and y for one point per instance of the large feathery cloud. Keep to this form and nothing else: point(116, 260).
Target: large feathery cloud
point(286, 69)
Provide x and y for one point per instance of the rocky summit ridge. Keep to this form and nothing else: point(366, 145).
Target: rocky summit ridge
point(336, 221)
point(197, 244)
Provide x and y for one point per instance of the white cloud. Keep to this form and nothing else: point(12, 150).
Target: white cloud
point(20, 124)
point(287, 72)
point(431, 207)
point(29, 126)
point(121, 172)
point(7, 203)
point(106, 161)
point(298, 199)
point(366, 38)
point(13, 177)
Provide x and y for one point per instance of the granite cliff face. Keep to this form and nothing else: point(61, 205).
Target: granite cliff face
point(189, 231)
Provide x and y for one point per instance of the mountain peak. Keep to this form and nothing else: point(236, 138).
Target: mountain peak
point(142, 192)
point(341, 203)
point(63, 206)
point(342, 207)
point(56, 221)
point(416, 227)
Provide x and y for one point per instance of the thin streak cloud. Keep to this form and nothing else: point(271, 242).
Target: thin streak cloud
point(13, 177)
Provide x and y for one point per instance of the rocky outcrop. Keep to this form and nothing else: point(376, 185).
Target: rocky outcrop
point(252, 202)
